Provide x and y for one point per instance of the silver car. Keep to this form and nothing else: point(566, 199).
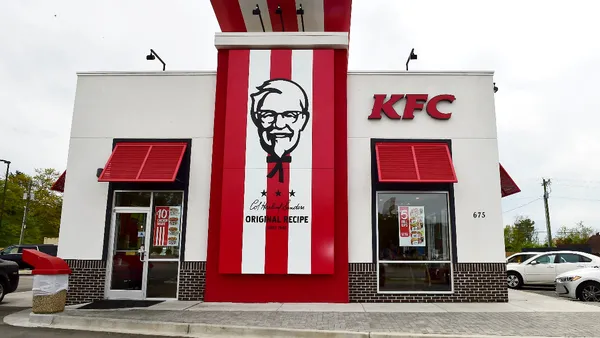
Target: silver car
point(582, 284)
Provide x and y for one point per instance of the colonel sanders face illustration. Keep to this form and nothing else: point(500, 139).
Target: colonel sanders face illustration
point(280, 112)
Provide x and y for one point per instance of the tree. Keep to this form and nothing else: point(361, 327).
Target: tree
point(521, 234)
point(43, 217)
point(580, 234)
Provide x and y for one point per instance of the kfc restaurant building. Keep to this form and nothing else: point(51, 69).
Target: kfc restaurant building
point(283, 177)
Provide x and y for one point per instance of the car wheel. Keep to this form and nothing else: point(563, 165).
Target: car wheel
point(589, 292)
point(2, 290)
point(514, 280)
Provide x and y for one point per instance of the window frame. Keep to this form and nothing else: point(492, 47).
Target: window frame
point(450, 261)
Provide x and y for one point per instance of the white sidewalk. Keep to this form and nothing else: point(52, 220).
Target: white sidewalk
point(519, 301)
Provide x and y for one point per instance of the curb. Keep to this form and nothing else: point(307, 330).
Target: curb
point(27, 319)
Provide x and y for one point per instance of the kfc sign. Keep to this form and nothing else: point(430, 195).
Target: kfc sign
point(413, 102)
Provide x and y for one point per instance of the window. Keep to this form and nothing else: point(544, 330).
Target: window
point(520, 258)
point(133, 199)
point(170, 204)
point(413, 244)
point(11, 250)
point(568, 258)
point(545, 259)
point(585, 259)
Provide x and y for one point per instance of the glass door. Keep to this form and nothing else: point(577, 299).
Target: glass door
point(128, 264)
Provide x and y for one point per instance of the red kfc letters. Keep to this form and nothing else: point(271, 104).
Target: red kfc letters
point(414, 102)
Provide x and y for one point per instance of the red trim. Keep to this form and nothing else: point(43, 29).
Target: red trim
point(144, 162)
point(288, 10)
point(507, 184)
point(230, 253)
point(276, 243)
point(229, 15)
point(59, 185)
point(337, 14)
point(323, 212)
point(414, 162)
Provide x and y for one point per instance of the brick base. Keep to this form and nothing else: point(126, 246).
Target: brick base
point(86, 282)
point(192, 278)
point(473, 282)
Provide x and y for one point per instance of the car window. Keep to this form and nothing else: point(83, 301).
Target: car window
point(584, 259)
point(27, 247)
point(545, 259)
point(11, 250)
point(568, 258)
point(520, 258)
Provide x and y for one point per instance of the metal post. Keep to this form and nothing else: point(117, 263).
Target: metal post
point(4, 190)
point(24, 223)
point(546, 184)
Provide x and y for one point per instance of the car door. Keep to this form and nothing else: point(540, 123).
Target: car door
point(541, 270)
point(569, 261)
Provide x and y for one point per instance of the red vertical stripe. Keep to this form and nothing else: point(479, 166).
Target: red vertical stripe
point(229, 15)
point(288, 11)
point(232, 212)
point(276, 246)
point(322, 243)
point(337, 15)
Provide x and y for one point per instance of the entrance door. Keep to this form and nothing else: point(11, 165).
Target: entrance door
point(128, 264)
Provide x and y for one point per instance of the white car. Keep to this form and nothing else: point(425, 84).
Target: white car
point(520, 257)
point(545, 266)
point(582, 284)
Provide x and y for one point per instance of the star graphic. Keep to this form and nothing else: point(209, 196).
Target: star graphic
point(263, 193)
point(292, 193)
point(278, 193)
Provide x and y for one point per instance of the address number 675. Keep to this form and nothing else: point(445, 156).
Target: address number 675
point(479, 214)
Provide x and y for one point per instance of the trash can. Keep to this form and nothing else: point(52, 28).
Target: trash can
point(50, 281)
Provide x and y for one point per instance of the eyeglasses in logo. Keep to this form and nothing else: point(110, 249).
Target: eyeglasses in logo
point(280, 112)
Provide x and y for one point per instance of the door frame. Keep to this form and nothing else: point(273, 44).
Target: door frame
point(127, 294)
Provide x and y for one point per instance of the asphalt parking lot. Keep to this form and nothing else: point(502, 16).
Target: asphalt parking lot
point(549, 291)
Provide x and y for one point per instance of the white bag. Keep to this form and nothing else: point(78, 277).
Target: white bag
point(46, 285)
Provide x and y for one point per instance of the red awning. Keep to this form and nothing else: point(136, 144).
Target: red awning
point(59, 185)
point(414, 162)
point(507, 185)
point(143, 162)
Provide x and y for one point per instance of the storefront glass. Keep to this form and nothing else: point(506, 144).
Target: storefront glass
point(414, 253)
point(153, 250)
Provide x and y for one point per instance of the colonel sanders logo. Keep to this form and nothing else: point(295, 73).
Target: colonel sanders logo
point(280, 112)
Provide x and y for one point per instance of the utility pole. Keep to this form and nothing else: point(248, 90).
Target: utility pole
point(546, 184)
point(28, 197)
point(4, 190)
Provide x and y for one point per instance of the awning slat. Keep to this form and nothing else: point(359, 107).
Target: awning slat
point(414, 162)
point(144, 162)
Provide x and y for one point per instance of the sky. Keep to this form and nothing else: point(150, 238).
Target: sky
point(544, 53)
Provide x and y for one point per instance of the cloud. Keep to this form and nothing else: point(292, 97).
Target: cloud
point(544, 54)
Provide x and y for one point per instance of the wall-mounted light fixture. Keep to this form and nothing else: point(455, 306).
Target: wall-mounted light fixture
point(256, 11)
point(279, 11)
point(300, 11)
point(153, 56)
point(495, 88)
point(412, 56)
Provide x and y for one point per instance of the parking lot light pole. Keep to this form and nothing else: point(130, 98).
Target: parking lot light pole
point(4, 189)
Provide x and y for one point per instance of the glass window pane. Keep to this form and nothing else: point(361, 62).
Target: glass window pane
point(132, 199)
point(425, 231)
point(545, 259)
point(162, 279)
point(166, 229)
point(584, 259)
point(568, 258)
point(414, 277)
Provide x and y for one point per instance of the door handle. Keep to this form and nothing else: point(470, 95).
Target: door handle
point(550, 266)
point(580, 266)
point(141, 252)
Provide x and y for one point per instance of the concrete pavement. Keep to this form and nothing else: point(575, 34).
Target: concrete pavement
point(527, 314)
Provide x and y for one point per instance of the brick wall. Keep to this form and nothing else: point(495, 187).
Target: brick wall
point(192, 277)
point(86, 282)
point(473, 282)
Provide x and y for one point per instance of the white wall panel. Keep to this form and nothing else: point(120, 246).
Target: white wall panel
point(359, 201)
point(83, 217)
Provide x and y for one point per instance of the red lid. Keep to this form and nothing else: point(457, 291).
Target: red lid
point(44, 264)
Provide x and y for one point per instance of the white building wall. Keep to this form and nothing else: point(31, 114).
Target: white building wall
point(181, 105)
point(472, 129)
point(134, 105)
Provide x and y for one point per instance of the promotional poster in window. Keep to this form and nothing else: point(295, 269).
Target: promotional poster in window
point(412, 226)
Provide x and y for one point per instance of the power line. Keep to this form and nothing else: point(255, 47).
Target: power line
point(537, 199)
point(577, 198)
